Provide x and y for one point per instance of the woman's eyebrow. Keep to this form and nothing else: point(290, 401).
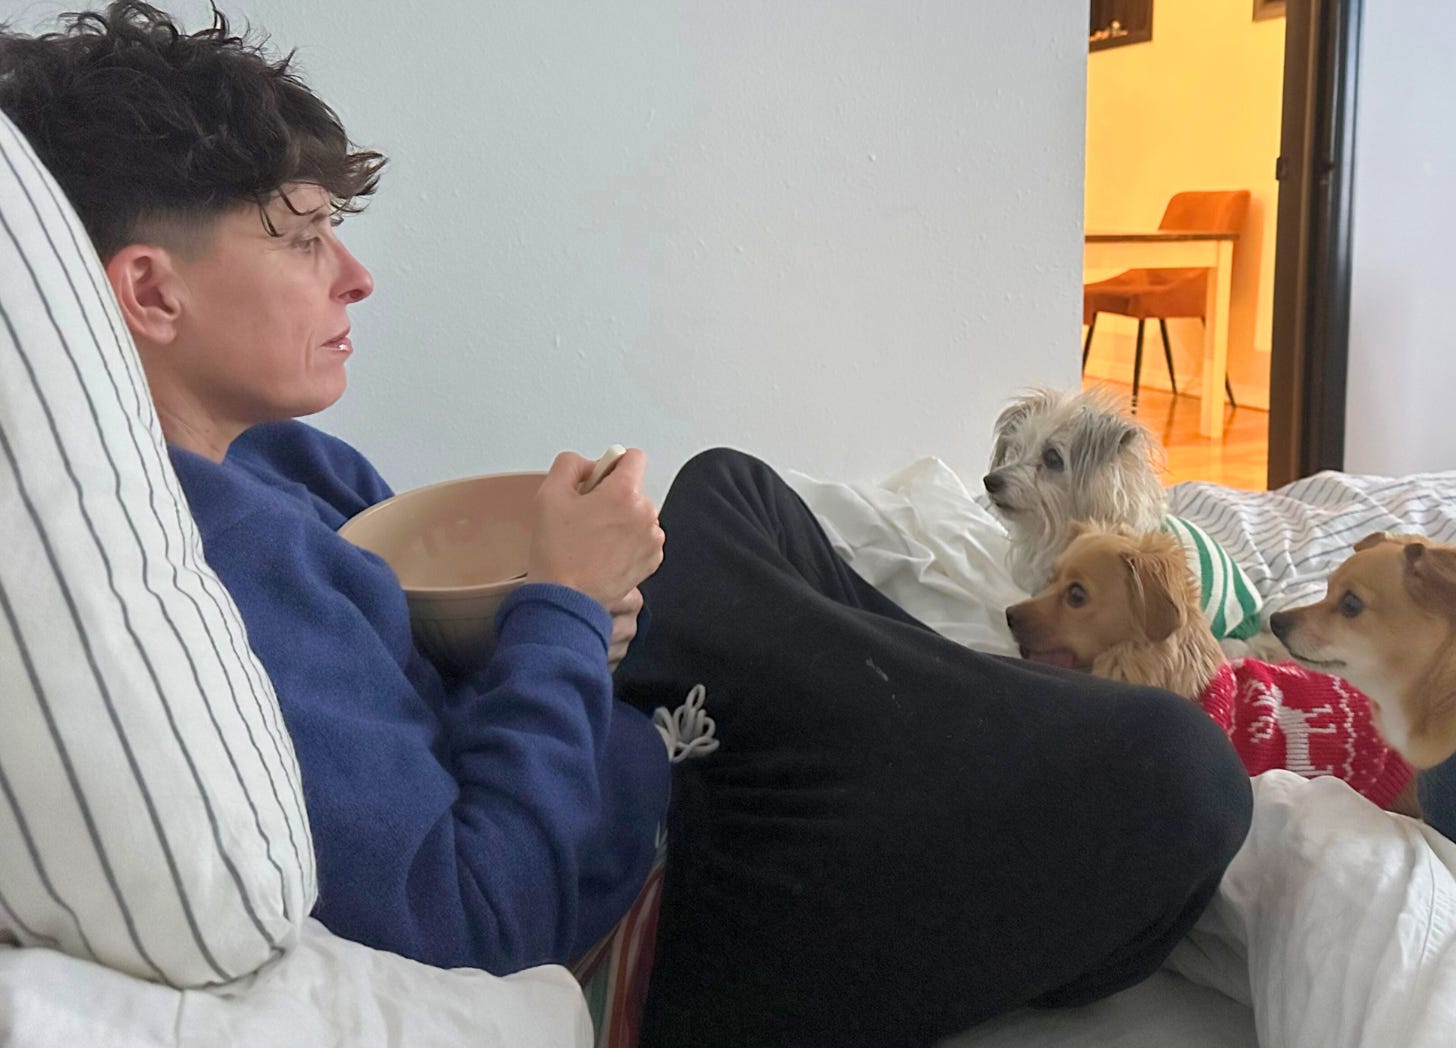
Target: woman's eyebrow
point(293, 223)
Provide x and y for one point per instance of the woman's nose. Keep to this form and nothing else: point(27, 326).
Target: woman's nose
point(355, 281)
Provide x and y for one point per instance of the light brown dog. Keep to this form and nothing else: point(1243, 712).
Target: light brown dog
point(1123, 605)
point(1388, 626)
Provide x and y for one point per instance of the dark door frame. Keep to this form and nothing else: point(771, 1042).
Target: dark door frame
point(1311, 324)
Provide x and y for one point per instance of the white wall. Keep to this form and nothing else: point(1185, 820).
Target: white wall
point(836, 233)
point(1398, 416)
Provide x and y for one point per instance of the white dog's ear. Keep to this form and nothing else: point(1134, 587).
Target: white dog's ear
point(1375, 538)
point(1006, 423)
point(1032, 402)
point(999, 454)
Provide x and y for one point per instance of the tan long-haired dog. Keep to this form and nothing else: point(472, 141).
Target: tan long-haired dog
point(1388, 626)
point(1124, 605)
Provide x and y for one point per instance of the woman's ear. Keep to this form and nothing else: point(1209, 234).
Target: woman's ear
point(148, 290)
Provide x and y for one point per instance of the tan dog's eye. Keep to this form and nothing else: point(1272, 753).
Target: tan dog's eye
point(1051, 458)
point(1076, 595)
point(1350, 605)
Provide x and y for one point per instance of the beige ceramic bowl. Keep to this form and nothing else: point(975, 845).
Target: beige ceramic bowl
point(459, 549)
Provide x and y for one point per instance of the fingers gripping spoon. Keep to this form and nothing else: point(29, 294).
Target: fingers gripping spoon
point(604, 465)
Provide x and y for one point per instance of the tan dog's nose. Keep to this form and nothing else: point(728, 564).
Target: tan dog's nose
point(1280, 623)
point(1013, 616)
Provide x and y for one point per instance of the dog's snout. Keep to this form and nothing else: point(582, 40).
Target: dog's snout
point(1281, 622)
point(994, 483)
point(1013, 616)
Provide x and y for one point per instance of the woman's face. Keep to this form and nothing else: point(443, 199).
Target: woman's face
point(263, 332)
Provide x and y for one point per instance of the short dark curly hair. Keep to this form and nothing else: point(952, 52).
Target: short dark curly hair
point(154, 133)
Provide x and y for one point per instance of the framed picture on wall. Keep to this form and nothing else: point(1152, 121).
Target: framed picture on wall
point(1268, 9)
point(1117, 22)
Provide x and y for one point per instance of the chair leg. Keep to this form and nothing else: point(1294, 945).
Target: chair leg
point(1168, 354)
point(1137, 363)
point(1228, 387)
point(1087, 345)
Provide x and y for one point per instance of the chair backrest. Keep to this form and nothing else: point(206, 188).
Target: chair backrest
point(1221, 210)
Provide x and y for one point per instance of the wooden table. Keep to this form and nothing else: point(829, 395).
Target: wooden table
point(1175, 249)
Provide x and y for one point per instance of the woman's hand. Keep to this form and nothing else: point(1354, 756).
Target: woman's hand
point(603, 543)
point(624, 626)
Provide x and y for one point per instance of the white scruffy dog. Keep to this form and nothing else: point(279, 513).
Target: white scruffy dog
point(1062, 457)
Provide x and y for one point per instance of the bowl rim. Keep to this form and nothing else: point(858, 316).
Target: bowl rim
point(447, 593)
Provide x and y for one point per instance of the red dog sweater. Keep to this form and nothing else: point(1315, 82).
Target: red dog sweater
point(1285, 716)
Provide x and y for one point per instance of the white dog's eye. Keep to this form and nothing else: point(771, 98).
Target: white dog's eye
point(1051, 458)
point(1076, 595)
point(1350, 605)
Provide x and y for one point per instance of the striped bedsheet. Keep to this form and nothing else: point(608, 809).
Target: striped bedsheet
point(1289, 540)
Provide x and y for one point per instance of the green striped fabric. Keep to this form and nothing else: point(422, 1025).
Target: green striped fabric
point(1229, 598)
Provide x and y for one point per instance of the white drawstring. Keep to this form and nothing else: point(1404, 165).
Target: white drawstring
point(686, 731)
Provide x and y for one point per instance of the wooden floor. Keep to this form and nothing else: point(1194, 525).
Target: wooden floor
point(1240, 461)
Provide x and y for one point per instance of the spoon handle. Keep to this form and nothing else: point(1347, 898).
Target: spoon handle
point(602, 468)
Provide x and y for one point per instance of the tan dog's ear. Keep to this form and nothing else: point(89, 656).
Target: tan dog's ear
point(1154, 583)
point(1375, 538)
point(1430, 575)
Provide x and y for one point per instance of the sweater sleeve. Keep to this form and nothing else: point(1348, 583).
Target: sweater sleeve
point(505, 822)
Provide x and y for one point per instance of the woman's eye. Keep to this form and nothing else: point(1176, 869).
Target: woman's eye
point(1051, 458)
point(1350, 605)
point(1076, 595)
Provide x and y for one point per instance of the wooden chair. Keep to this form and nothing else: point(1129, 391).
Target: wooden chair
point(1164, 293)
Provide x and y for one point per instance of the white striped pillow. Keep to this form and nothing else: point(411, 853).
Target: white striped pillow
point(151, 816)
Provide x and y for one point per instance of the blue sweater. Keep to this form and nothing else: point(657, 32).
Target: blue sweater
point(500, 822)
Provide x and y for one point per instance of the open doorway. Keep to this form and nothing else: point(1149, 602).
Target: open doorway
point(1186, 98)
point(1293, 275)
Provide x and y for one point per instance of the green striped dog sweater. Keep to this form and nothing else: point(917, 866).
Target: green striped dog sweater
point(1228, 597)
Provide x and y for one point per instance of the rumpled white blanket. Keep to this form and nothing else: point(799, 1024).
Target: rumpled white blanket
point(326, 993)
point(924, 542)
point(1336, 922)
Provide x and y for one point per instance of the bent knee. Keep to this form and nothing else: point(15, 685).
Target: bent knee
point(711, 473)
point(1193, 778)
point(715, 464)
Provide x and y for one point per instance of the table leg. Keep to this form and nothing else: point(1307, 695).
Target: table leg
point(1215, 342)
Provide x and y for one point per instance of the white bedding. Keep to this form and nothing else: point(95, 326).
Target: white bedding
point(325, 993)
point(1335, 926)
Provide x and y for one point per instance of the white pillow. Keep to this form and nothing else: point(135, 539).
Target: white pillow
point(151, 816)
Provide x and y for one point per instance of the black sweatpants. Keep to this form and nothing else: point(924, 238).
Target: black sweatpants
point(898, 836)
